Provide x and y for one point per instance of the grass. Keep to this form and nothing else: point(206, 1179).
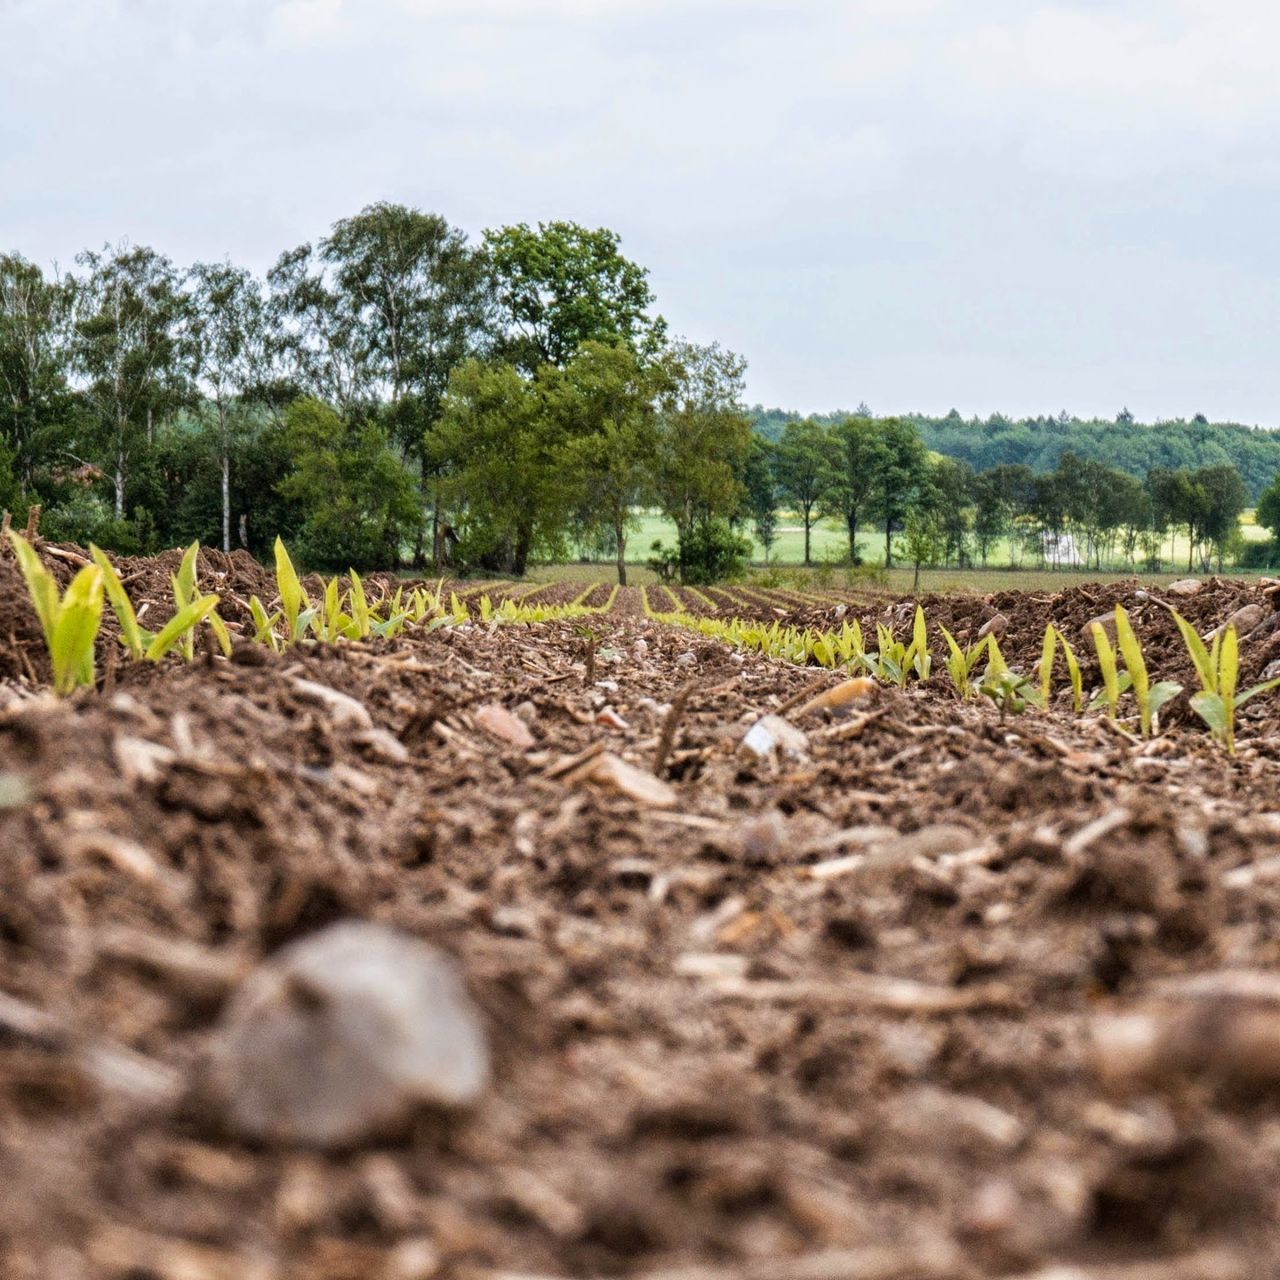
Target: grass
point(829, 541)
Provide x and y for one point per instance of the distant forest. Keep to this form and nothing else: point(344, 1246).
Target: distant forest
point(1039, 443)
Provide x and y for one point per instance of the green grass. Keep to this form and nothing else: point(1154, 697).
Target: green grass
point(829, 542)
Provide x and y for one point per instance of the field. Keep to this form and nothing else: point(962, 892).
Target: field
point(829, 541)
point(926, 989)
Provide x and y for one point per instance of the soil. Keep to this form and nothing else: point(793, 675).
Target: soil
point(831, 1015)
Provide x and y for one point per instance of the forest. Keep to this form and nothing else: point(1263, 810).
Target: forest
point(395, 394)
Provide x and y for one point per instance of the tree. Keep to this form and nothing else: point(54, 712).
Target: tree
point(563, 285)
point(1225, 497)
point(603, 399)
point(703, 434)
point(853, 454)
point(357, 495)
point(924, 538)
point(952, 485)
point(760, 482)
point(127, 348)
point(803, 468)
point(901, 469)
point(228, 329)
point(500, 455)
point(33, 361)
point(1268, 511)
point(418, 302)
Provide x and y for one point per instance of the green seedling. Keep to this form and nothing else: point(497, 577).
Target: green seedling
point(961, 662)
point(265, 624)
point(1218, 669)
point(918, 655)
point(132, 635)
point(69, 621)
point(190, 602)
point(294, 602)
point(1114, 681)
point(1054, 640)
point(1149, 697)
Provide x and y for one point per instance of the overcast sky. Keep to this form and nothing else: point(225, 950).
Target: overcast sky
point(922, 204)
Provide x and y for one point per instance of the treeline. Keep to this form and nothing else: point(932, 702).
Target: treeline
point(391, 392)
point(1133, 447)
point(868, 472)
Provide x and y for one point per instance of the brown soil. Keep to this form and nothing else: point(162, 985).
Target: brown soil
point(711, 1061)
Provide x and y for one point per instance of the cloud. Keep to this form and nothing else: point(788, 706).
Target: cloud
point(913, 200)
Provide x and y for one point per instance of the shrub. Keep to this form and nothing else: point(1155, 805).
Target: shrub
point(711, 552)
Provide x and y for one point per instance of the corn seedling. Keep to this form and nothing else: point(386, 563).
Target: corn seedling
point(1149, 697)
point(1053, 640)
point(1114, 681)
point(918, 654)
point(265, 624)
point(294, 602)
point(190, 602)
point(1218, 669)
point(69, 621)
point(961, 662)
point(132, 636)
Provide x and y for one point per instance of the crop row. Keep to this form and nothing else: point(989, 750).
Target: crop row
point(71, 620)
point(1121, 664)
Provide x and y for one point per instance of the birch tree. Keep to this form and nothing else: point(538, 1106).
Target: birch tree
point(228, 331)
point(127, 348)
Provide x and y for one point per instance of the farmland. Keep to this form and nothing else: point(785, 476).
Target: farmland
point(895, 983)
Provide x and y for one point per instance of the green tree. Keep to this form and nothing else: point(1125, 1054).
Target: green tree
point(803, 471)
point(418, 301)
point(703, 434)
point(500, 452)
point(358, 497)
point(127, 346)
point(228, 330)
point(562, 285)
point(33, 364)
point(760, 482)
point(852, 455)
point(603, 399)
point(901, 469)
point(1268, 511)
point(952, 501)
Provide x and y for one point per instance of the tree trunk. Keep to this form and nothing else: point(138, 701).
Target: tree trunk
point(915, 582)
point(226, 497)
point(119, 483)
point(852, 521)
point(807, 525)
point(520, 557)
point(888, 542)
point(620, 534)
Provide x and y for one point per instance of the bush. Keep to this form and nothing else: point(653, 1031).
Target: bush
point(1259, 555)
point(84, 518)
point(711, 552)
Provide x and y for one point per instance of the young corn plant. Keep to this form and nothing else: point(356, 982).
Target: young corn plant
point(294, 602)
point(1010, 690)
point(1114, 681)
point(1218, 669)
point(1054, 640)
point(69, 620)
point(961, 662)
point(154, 645)
point(189, 601)
point(1149, 697)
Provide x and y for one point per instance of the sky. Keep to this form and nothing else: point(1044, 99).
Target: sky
point(921, 204)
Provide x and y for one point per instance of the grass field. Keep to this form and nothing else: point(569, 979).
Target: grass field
point(829, 542)
point(897, 580)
